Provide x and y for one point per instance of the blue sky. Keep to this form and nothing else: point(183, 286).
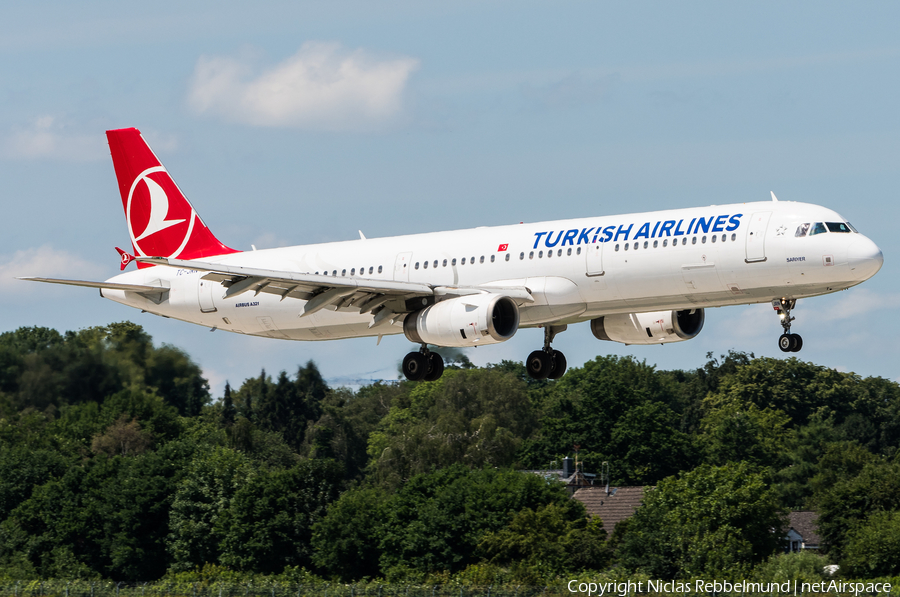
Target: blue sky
point(446, 116)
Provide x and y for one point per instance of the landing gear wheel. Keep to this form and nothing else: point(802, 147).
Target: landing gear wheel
point(539, 364)
point(796, 342)
point(435, 367)
point(415, 366)
point(559, 365)
point(785, 343)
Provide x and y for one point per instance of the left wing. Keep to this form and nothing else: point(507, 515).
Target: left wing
point(382, 297)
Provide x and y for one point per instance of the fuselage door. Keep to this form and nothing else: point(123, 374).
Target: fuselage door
point(594, 259)
point(205, 296)
point(756, 236)
point(401, 267)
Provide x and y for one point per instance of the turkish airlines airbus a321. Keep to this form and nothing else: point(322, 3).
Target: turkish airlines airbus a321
point(637, 278)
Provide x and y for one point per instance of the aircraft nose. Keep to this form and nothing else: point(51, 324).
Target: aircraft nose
point(864, 258)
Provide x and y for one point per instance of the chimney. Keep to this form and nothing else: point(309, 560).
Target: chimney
point(568, 467)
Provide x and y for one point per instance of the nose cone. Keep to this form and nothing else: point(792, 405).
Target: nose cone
point(864, 258)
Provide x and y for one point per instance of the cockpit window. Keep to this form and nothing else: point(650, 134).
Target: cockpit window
point(802, 229)
point(818, 228)
point(850, 226)
point(837, 227)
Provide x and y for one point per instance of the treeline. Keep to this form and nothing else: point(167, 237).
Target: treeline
point(116, 463)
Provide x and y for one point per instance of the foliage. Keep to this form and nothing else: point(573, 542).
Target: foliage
point(115, 464)
point(706, 522)
point(873, 546)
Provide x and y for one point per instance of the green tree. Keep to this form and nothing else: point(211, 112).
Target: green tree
point(201, 499)
point(737, 430)
point(873, 546)
point(846, 504)
point(476, 417)
point(436, 520)
point(268, 525)
point(345, 543)
point(551, 539)
point(648, 444)
point(706, 522)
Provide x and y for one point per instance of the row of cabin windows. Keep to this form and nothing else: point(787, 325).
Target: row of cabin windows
point(665, 242)
point(452, 262)
point(362, 271)
point(559, 252)
point(471, 260)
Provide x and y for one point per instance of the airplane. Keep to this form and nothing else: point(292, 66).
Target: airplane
point(644, 278)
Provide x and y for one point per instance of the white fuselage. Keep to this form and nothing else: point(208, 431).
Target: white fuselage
point(576, 270)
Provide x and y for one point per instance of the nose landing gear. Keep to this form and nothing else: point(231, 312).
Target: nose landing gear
point(787, 342)
point(547, 363)
point(423, 365)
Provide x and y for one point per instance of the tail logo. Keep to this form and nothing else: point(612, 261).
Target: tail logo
point(152, 208)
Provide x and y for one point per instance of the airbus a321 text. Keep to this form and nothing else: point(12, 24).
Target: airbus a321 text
point(637, 278)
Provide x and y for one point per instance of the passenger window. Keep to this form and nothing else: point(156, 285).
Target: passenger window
point(723, 238)
point(379, 269)
point(655, 244)
point(435, 263)
point(665, 242)
point(531, 254)
point(569, 251)
point(334, 273)
point(646, 244)
point(549, 254)
point(713, 238)
point(703, 240)
point(626, 246)
point(694, 241)
point(472, 260)
point(453, 262)
point(463, 262)
point(734, 236)
point(492, 258)
point(353, 271)
point(837, 227)
point(578, 251)
point(370, 270)
point(481, 260)
point(540, 254)
point(521, 256)
point(802, 229)
point(507, 257)
point(425, 265)
point(559, 253)
point(343, 272)
point(818, 228)
point(445, 263)
point(617, 246)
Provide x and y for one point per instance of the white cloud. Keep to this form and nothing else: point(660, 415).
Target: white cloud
point(46, 138)
point(323, 86)
point(45, 262)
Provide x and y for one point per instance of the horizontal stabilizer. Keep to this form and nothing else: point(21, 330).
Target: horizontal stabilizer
point(101, 285)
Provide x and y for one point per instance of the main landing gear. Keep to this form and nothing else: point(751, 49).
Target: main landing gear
point(423, 365)
point(787, 342)
point(547, 363)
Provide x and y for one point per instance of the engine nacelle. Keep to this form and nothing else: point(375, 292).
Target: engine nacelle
point(649, 328)
point(469, 320)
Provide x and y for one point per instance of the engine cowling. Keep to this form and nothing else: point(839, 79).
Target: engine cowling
point(657, 327)
point(469, 320)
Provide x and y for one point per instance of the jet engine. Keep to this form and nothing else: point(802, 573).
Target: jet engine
point(469, 320)
point(649, 328)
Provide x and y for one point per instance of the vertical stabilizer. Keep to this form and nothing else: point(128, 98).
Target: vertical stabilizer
point(161, 221)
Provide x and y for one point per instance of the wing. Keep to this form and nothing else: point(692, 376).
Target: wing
point(382, 297)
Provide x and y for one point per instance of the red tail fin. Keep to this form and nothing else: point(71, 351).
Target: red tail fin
point(161, 221)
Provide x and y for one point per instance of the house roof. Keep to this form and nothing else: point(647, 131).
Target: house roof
point(805, 523)
point(619, 504)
